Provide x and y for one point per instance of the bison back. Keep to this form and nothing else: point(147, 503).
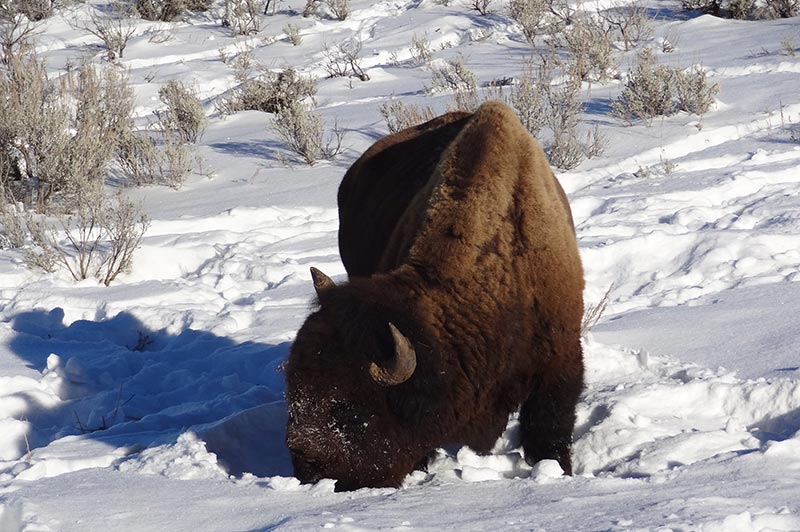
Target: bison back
point(383, 196)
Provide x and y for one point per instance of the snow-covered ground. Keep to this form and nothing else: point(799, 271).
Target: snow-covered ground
point(156, 403)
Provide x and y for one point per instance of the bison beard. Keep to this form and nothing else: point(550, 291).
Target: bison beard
point(464, 302)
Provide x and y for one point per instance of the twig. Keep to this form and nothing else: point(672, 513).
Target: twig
point(593, 313)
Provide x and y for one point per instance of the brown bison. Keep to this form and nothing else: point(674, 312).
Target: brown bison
point(464, 302)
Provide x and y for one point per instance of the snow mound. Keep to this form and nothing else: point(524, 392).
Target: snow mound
point(663, 416)
point(185, 459)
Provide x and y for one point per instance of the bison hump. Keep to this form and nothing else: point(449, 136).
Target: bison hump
point(496, 201)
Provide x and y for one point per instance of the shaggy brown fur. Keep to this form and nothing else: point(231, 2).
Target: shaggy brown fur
point(457, 233)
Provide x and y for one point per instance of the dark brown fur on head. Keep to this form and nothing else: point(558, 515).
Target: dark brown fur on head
point(457, 234)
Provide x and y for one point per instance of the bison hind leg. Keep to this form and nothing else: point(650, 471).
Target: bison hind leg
point(547, 419)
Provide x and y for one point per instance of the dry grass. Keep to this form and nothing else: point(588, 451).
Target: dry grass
point(593, 313)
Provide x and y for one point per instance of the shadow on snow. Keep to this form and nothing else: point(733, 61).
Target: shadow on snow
point(128, 386)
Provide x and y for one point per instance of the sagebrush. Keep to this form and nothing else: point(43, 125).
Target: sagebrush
point(114, 28)
point(160, 10)
point(155, 158)
point(340, 9)
point(399, 116)
point(58, 136)
point(344, 60)
point(302, 129)
point(653, 89)
point(100, 236)
point(242, 16)
point(453, 75)
point(33, 10)
point(541, 104)
point(184, 113)
point(267, 92)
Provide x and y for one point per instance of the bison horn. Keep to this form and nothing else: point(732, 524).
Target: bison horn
point(402, 366)
point(322, 282)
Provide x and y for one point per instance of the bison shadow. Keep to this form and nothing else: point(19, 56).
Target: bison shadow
point(127, 386)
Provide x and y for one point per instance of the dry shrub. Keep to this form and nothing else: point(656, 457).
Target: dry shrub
point(302, 129)
point(528, 98)
point(277, 90)
point(742, 9)
point(339, 8)
point(540, 104)
point(42, 253)
point(242, 16)
point(565, 150)
point(783, 8)
point(629, 24)
point(16, 31)
point(590, 47)
point(593, 312)
point(184, 114)
point(267, 93)
point(453, 75)
point(533, 16)
point(114, 28)
point(136, 156)
point(293, 34)
point(13, 232)
point(199, 5)
point(705, 6)
point(311, 8)
point(659, 90)
point(230, 102)
point(466, 99)
point(244, 64)
point(33, 10)
point(124, 225)
point(745, 9)
point(160, 10)
point(400, 116)
point(421, 52)
point(693, 92)
point(174, 163)
point(147, 161)
point(162, 156)
point(59, 135)
point(670, 41)
point(648, 91)
point(481, 6)
point(100, 237)
point(344, 60)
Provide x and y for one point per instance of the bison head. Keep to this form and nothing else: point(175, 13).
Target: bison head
point(351, 391)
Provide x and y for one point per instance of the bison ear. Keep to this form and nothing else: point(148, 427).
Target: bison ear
point(322, 283)
point(402, 365)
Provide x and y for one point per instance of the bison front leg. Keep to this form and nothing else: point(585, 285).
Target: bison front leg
point(547, 418)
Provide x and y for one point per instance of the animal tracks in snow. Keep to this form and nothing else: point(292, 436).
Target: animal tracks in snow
point(685, 228)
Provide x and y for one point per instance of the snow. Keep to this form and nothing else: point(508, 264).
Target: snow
point(156, 403)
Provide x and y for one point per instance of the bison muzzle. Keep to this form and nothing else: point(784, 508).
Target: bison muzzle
point(464, 304)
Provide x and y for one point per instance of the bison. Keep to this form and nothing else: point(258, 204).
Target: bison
point(464, 301)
